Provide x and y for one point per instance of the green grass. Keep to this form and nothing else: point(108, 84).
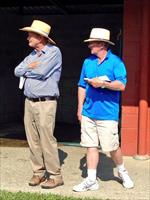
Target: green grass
point(35, 196)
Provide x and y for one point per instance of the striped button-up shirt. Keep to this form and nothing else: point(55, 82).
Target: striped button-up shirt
point(43, 79)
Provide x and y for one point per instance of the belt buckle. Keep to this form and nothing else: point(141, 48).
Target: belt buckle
point(41, 99)
point(47, 98)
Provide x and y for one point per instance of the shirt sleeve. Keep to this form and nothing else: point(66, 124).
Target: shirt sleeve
point(51, 63)
point(82, 82)
point(22, 68)
point(120, 72)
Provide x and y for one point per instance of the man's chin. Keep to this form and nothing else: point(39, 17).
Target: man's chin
point(30, 45)
point(93, 53)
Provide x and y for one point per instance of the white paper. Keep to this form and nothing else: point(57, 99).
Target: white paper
point(86, 79)
point(21, 82)
point(104, 78)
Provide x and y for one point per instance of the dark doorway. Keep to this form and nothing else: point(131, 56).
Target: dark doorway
point(71, 24)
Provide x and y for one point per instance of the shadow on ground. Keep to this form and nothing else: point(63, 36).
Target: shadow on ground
point(104, 170)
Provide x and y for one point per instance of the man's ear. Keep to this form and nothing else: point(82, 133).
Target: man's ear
point(41, 38)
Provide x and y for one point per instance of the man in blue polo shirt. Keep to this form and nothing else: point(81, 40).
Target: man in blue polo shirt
point(102, 78)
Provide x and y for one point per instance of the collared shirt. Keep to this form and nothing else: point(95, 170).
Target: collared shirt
point(102, 103)
point(42, 80)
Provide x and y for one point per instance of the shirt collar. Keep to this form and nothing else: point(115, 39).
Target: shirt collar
point(107, 56)
point(46, 47)
point(44, 50)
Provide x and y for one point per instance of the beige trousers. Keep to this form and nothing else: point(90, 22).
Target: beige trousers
point(39, 120)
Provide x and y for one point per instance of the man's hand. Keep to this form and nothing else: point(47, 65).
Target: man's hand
point(79, 115)
point(96, 82)
point(81, 99)
point(33, 64)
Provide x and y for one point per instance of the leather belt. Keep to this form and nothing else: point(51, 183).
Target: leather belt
point(49, 98)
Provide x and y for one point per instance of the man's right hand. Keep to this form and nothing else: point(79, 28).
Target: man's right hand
point(81, 98)
point(79, 115)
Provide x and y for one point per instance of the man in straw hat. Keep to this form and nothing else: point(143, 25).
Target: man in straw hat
point(41, 70)
point(102, 78)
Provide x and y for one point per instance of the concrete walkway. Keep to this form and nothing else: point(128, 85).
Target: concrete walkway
point(15, 171)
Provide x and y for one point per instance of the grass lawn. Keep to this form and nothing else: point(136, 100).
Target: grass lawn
point(35, 196)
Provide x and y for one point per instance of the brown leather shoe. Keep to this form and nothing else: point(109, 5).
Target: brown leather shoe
point(36, 180)
point(52, 183)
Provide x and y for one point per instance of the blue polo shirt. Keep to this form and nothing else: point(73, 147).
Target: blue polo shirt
point(102, 104)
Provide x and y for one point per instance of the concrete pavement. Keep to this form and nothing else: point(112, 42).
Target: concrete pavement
point(15, 171)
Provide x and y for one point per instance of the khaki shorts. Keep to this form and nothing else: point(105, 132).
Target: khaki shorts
point(99, 132)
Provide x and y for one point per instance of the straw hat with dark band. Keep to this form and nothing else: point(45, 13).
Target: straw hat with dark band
point(40, 28)
point(99, 34)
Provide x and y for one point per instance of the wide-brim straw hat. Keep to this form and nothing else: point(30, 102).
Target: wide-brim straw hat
point(40, 28)
point(99, 34)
